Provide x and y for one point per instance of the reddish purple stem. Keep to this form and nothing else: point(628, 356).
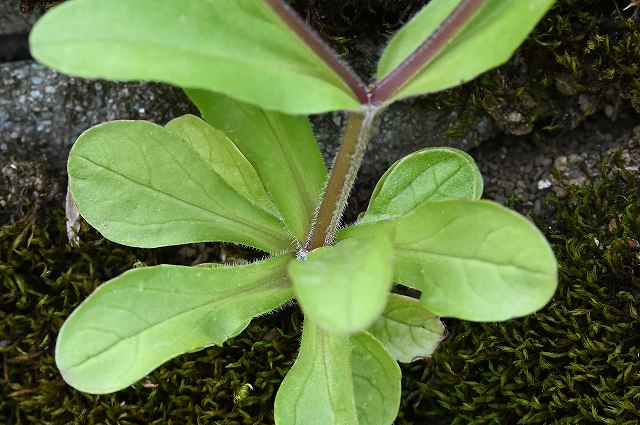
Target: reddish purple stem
point(359, 126)
point(426, 52)
point(311, 39)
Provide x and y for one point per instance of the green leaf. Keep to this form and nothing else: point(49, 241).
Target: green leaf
point(141, 185)
point(224, 158)
point(488, 40)
point(424, 176)
point(343, 288)
point(338, 379)
point(137, 321)
point(376, 381)
point(472, 260)
point(240, 48)
point(407, 330)
point(282, 149)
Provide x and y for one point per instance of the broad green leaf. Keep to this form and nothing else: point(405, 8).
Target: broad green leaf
point(281, 148)
point(318, 389)
point(407, 330)
point(376, 381)
point(344, 287)
point(338, 379)
point(137, 321)
point(240, 48)
point(424, 176)
point(224, 158)
point(488, 40)
point(141, 185)
point(473, 260)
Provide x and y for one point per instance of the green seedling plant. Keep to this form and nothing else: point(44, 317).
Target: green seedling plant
point(249, 172)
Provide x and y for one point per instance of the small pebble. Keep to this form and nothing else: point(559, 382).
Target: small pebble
point(560, 163)
point(574, 158)
point(560, 192)
point(544, 184)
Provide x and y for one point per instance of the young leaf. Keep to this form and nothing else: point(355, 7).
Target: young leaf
point(137, 321)
point(224, 158)
point(338, 379)
point(141, 185)
point(424, 176)
point(473, 260)
point(344, 287)
point(467, 48)
point(282, 149)
point(241, 48)
point(407, 330)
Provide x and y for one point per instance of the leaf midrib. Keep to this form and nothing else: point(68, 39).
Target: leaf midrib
point(272, 285)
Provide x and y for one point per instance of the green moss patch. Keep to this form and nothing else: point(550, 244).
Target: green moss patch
point(577, 360)
point(43, 279)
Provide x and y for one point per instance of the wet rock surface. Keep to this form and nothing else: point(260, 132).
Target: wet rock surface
point(42, 112)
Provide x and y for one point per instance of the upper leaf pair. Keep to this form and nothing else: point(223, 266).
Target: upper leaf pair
point(144, 185)
point(259, 52)
point(471, 259)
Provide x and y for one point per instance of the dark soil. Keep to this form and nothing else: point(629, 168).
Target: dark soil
point(519, 171)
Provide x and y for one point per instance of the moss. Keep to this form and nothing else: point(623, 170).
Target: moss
point(573, 362)
point(582, 57)
point(43, 279)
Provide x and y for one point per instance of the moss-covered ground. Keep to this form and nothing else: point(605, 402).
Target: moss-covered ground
point(576, 361)
point(43, 278)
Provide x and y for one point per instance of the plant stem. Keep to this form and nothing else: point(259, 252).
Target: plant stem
point(426, 52)
point(343, 174)
point(319, 47)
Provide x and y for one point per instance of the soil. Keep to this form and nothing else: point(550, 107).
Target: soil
point(519, 171)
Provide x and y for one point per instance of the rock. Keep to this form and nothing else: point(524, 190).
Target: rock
point(567, 85)
point(42, 112)
point(578, 181)
point(544, 184)
point(12, 21)
point(575, 158)
point(408, 126)
point(560, 163)
point(560, 192)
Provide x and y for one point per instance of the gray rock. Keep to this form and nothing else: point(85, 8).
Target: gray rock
point(14, 22)
point(42, 112)
point(401, 129)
